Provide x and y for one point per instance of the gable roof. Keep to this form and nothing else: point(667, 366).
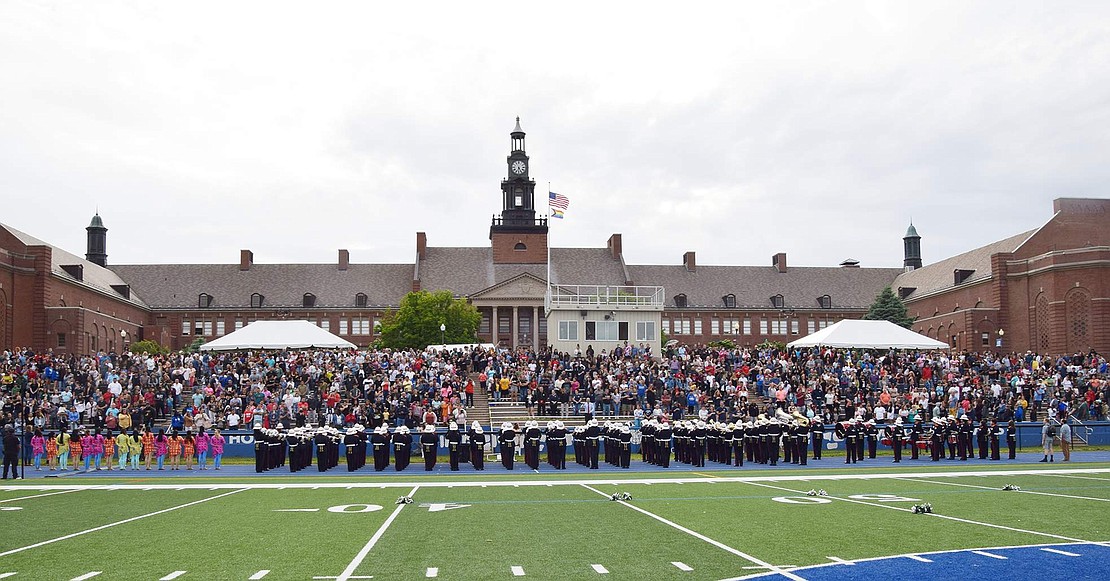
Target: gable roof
point(281, 285)
point(93, 275)
point(939, 275)
point(755, 285)
point(468, 270)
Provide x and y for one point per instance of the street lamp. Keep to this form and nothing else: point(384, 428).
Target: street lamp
point(1001, 332)
point(443, 333)
point(123, 338)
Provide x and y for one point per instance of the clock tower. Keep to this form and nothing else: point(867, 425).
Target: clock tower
point(517, 236)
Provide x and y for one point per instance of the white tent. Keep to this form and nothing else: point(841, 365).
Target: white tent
point(860, 334)
point(278, 335)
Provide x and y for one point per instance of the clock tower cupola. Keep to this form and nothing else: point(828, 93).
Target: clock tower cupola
point(517, 235)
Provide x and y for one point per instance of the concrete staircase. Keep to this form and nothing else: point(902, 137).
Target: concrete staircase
point(511, 411)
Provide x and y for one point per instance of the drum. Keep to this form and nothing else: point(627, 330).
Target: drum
point(952, 439)
point(886, 441)
point(922, 445)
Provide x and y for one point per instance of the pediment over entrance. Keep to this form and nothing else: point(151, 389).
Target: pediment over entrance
point(521, 287)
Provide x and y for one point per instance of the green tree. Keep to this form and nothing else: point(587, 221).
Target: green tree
point(888, 307)
point(148, 346)
point(195, 345)
point(416, 323)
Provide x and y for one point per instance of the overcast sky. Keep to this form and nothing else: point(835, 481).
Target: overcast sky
point(732, 129)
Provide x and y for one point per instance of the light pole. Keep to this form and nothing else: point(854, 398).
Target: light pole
point(1001, 332)
point(443, 333)
point(123, 339)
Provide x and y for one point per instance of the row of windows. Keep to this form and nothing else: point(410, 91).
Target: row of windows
point(205, 300)
point(771, 326)
point(777, 301)
point(217, 328)
point(607, 331)
point(505, 323)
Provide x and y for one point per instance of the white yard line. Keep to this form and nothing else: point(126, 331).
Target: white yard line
point(6, 575)
point(841, 561)
point(702, 537)
point(991, 555)
point(1059, 552)
point(682, 566)
point(259, 575)
point(350, 570)
point(1000, 490)
point(88, 575)
point(600, 569)
point(432, 572)
point(173, 576)
point(919, 558)
point(117, 523)
point(932, 514)
point(41, 495)
point(1081, 477)
point(581, 481)
point(517, 570)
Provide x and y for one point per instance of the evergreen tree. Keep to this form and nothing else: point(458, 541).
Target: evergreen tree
point(416, 323)
point(888, 307)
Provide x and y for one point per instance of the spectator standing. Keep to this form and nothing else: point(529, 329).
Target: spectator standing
point(1065, 439)
point(1048, 432)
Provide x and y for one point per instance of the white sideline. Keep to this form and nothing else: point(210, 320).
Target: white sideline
point(702, 537)
point(173, 576)
point(259, 575)
point(1059, 552)
point(1019, 491)
point(991, 555)
point(350, 570)
point(124, 521)
point(41, 495)
point(88, 575)
point(577, 482)
point(933, 514)
point(600, 569)
point(6, 575)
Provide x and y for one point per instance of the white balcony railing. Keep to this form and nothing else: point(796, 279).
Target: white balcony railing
point(608, 296)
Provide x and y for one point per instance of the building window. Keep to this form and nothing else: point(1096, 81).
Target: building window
point(714, 326)
point(377, 327)
point(825, 301)
point(504, 325)
point(793, 326)
point(238, 323)
point(778, 326)
point(778, 302)
point(221, 330)
point(360, 326)
point(208, 328)
point(680, 300)
point(645, 331)
point(360, 300)
point(256, 300)
point(483, 326)
point(185, 328)
point(61, 339)
point(811, 327)
point(309, 300)
point(666, 324)
point(986, 339)
point(543, 325)
point(822, 324)
point(606, 331)
point(763, 326)
point(729, 300)
point(325, 325)
point(520, 247)
point(204, 300)
point(747, 326)
point(697, 326)
point(343, 327)
point(524, 327)
point(685, 326)
point(568, 330)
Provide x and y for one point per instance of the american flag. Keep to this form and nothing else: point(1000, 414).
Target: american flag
point(557, 203)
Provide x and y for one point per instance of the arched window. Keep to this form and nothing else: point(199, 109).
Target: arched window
point(309, 300)
point(520, 246)
point(1078, 314)
point(729, 301)
point(825, 301)
point(778, 301)
point(680, 300)
point(360, 300)
point(256, 300)
point(204, 300)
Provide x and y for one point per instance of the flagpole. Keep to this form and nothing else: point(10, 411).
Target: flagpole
point(548, 243)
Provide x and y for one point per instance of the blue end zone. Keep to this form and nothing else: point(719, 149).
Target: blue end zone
point(1033, 562)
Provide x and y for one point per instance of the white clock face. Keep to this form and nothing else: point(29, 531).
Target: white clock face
point(518, 167)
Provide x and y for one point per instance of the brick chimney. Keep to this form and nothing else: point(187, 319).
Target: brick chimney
point(614, 244)
point(421, 245)
point(689, 262)
point(779, 261)
point(344, 259)
point(246, 259)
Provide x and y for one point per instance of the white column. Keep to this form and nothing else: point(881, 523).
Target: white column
point(493, 326)
point(515, 326)
point(536, 328)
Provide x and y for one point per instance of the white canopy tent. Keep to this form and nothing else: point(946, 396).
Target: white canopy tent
point(860, 334)
point(278, 335)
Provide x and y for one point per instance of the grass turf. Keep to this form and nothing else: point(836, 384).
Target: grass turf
point(551, 532)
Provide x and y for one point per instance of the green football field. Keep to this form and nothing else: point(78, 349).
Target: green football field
point(711, 525)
